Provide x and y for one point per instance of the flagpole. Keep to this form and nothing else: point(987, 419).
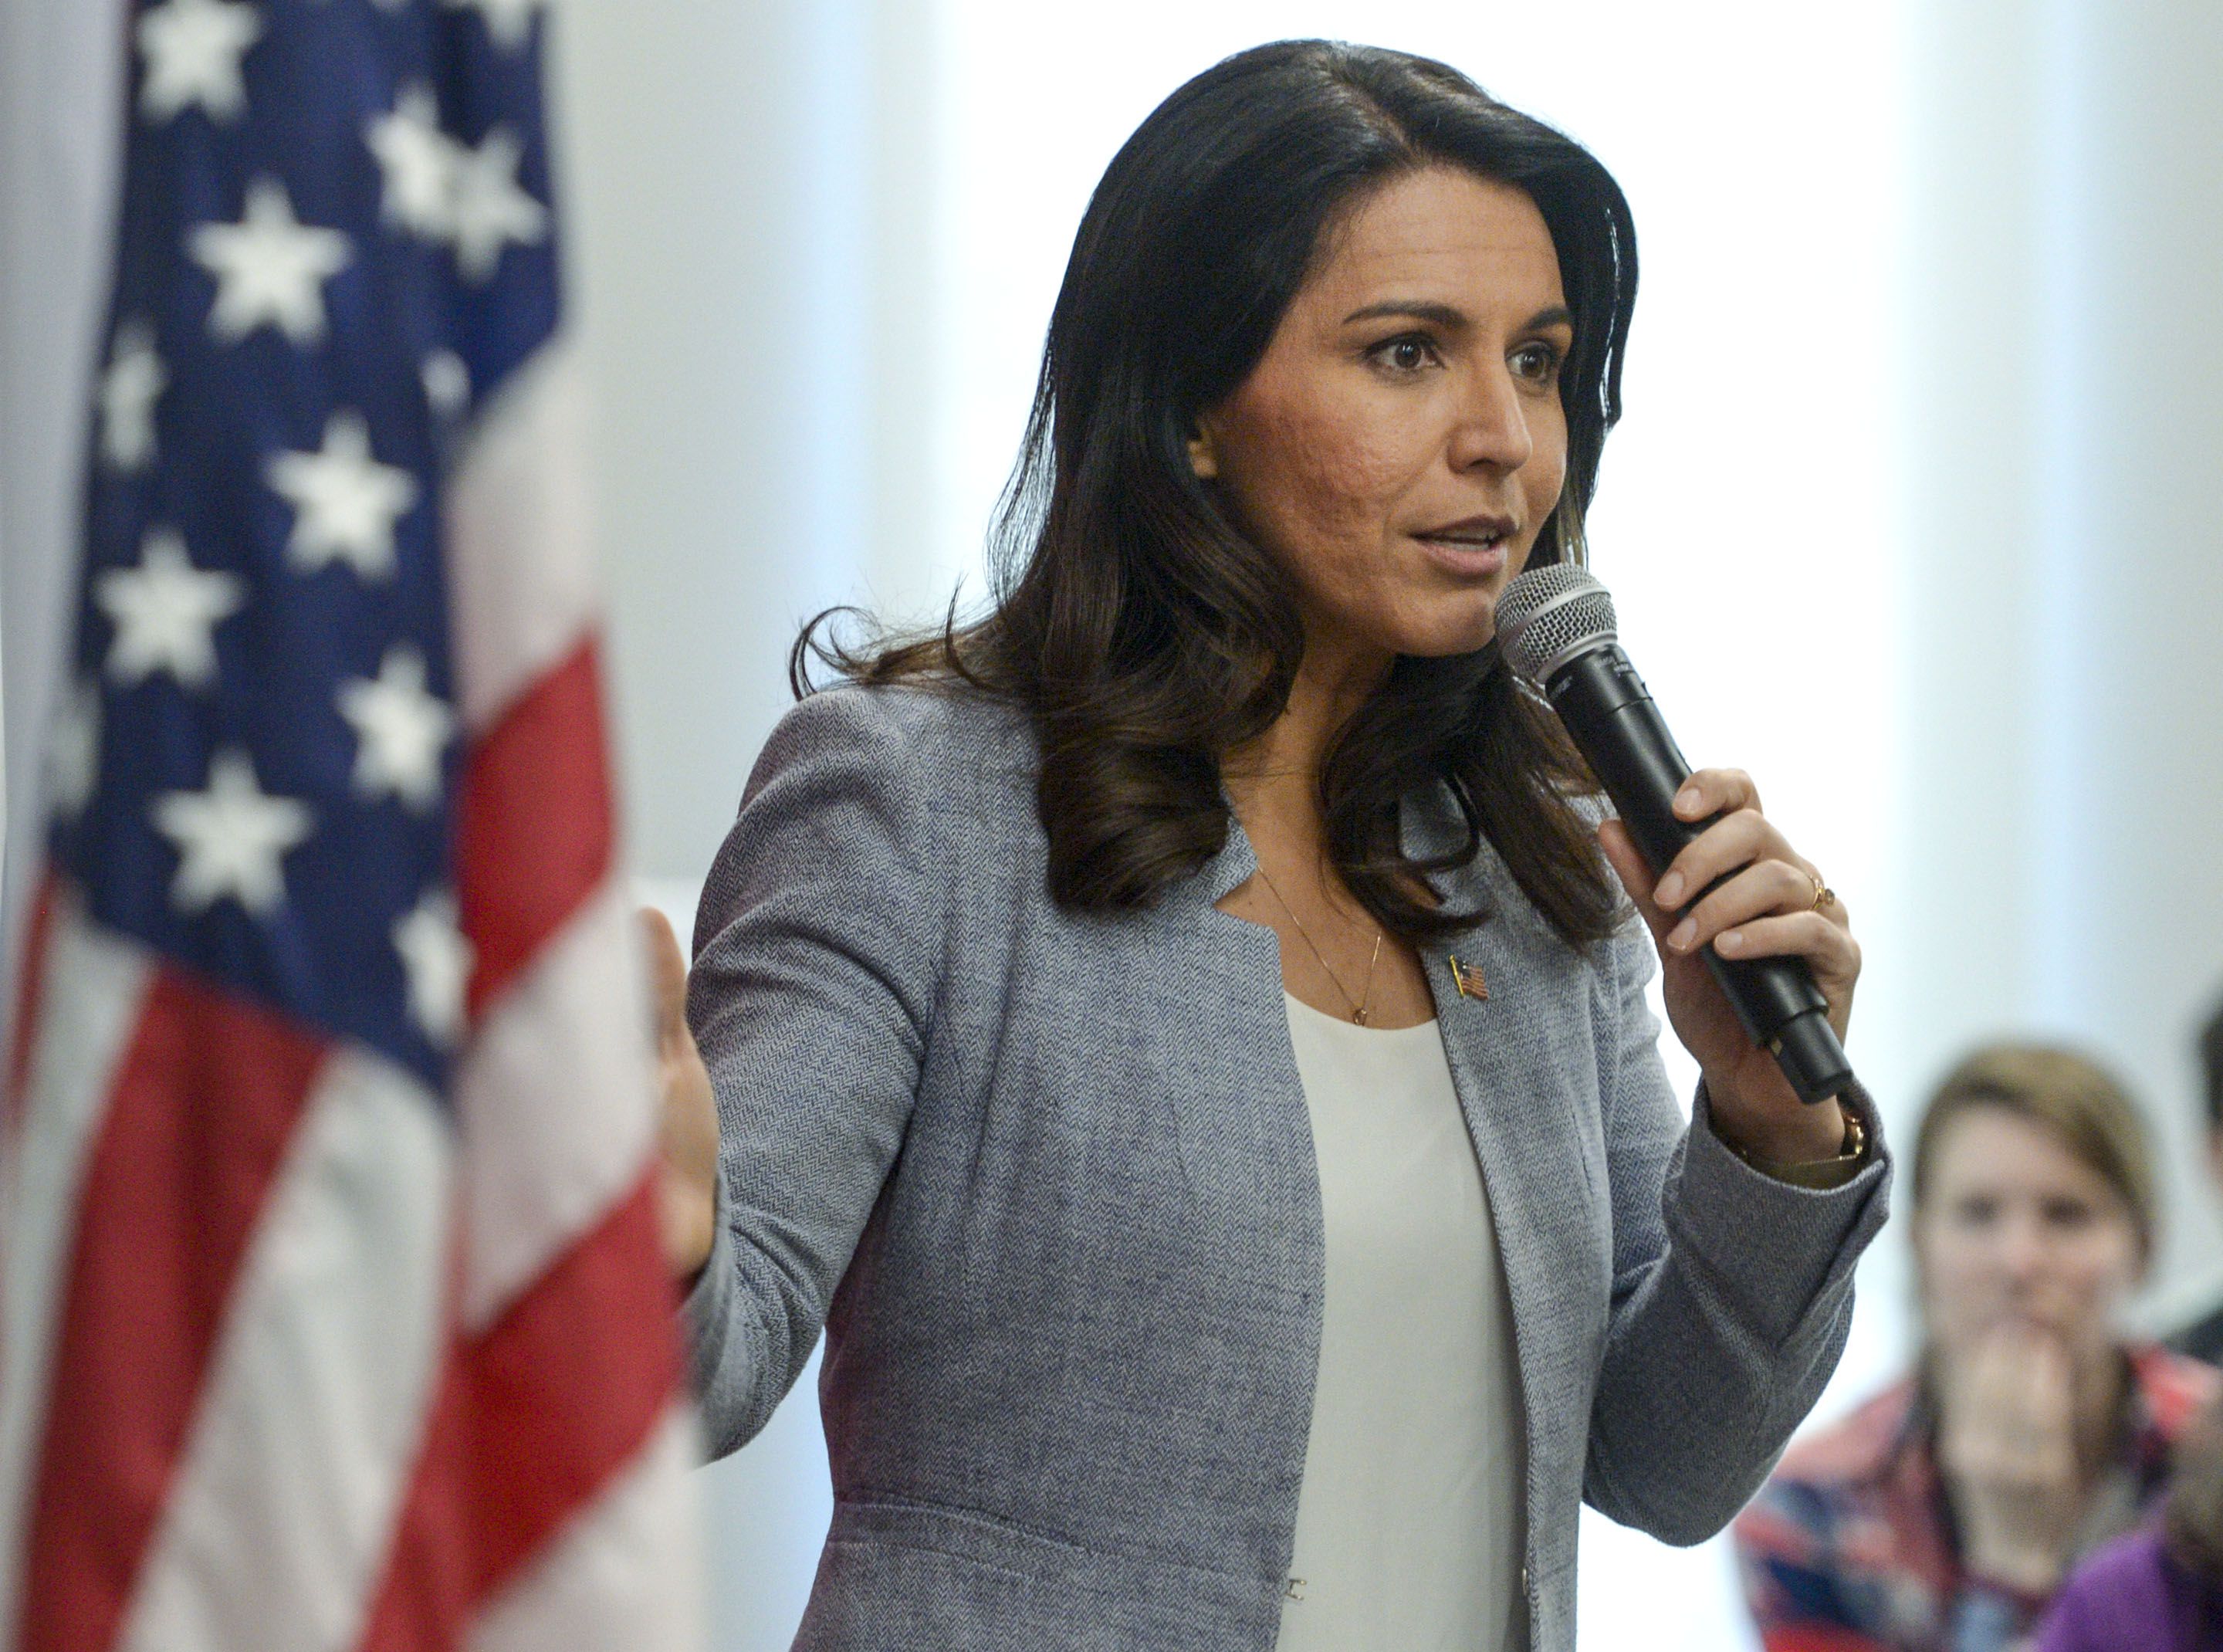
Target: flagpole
point(61, 63)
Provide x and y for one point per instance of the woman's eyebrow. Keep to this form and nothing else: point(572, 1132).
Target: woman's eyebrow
point(1442, 315)
point(1450, 318)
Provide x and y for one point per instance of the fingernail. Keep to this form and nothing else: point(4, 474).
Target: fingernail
point(1679, 936)
point(1670, 891)
point(1728, 940)
point(1687, 797)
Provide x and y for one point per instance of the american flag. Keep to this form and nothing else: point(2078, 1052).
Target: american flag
point(335, 1314)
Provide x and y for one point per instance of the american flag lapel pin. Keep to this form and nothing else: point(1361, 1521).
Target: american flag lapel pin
point(1468, 978)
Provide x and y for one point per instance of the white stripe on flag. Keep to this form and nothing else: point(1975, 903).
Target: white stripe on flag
point(280, 1515)
point(521, 578)
point(555, 1095)
point(620, 1574)
point(94, 987)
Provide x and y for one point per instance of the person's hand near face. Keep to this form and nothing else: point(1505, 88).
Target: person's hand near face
point(2007, 1445)
point(2025, 1255)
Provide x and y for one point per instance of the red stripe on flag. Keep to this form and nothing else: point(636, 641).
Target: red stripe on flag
point(533, 833)
point(536, 1417)
point(205, 1103)
point(31, 983)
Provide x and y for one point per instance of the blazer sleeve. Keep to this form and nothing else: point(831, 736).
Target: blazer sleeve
point(1732, 1292)
point(817, 955)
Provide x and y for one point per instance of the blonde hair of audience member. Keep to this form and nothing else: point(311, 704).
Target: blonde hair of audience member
point(2034, 1217)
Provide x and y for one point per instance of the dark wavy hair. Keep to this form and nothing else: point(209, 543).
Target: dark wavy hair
point(1144, 635)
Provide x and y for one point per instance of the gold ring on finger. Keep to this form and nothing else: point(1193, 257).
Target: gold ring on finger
point(1824, 896)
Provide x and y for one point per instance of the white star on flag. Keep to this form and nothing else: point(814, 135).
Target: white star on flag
point(401, 730)
point(508, 22)
point(193, 49)
point(73, 751)
point(230, 838)
point(165, 612)
point(491, 209)
point(270, 268)
point(130, 387)
point(437, 960)
point(417, 162)
point(345, 503)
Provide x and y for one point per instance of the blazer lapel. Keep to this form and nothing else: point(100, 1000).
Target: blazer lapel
point(1520, 1045)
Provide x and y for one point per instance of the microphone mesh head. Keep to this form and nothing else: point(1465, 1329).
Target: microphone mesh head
point(1549, 613)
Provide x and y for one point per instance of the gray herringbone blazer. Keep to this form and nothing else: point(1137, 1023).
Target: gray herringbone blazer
point(1048, 1182)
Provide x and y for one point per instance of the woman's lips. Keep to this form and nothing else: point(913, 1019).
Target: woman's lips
point(1465, 557)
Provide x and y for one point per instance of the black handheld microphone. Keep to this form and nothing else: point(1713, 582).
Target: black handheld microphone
point(1557, 630)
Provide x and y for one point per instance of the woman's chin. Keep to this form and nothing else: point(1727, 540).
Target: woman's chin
point(1444, 627)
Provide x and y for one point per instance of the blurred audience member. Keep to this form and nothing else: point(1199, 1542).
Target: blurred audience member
point(2161, 1589)
point(2203, 1339)
point(1942, 1515)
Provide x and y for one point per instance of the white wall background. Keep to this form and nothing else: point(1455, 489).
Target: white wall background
point(1910, 513)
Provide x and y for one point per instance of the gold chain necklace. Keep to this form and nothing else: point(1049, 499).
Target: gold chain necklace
point(1358, 1005)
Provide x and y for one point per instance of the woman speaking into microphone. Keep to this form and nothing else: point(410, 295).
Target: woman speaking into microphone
point(1182, 1034)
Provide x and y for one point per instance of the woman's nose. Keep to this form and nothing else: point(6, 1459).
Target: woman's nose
point(1493, 423)
point(2023, 1253)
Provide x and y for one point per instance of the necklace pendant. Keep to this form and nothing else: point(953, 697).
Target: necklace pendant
point(1358, 1016)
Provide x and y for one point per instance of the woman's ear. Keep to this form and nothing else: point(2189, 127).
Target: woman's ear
point(1203, 458)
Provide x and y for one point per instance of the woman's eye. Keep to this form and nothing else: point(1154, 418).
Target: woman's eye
point(1407, 354)
point(1539, 363)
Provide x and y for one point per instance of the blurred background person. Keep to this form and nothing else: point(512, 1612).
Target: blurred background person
point(1942, 1515)
point(2203, 1338)
point(2160, 1589)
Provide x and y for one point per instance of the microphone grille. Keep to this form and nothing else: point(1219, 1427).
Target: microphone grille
point(1548, 613)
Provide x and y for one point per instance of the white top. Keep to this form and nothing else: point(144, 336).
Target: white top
point(1410, 1523)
